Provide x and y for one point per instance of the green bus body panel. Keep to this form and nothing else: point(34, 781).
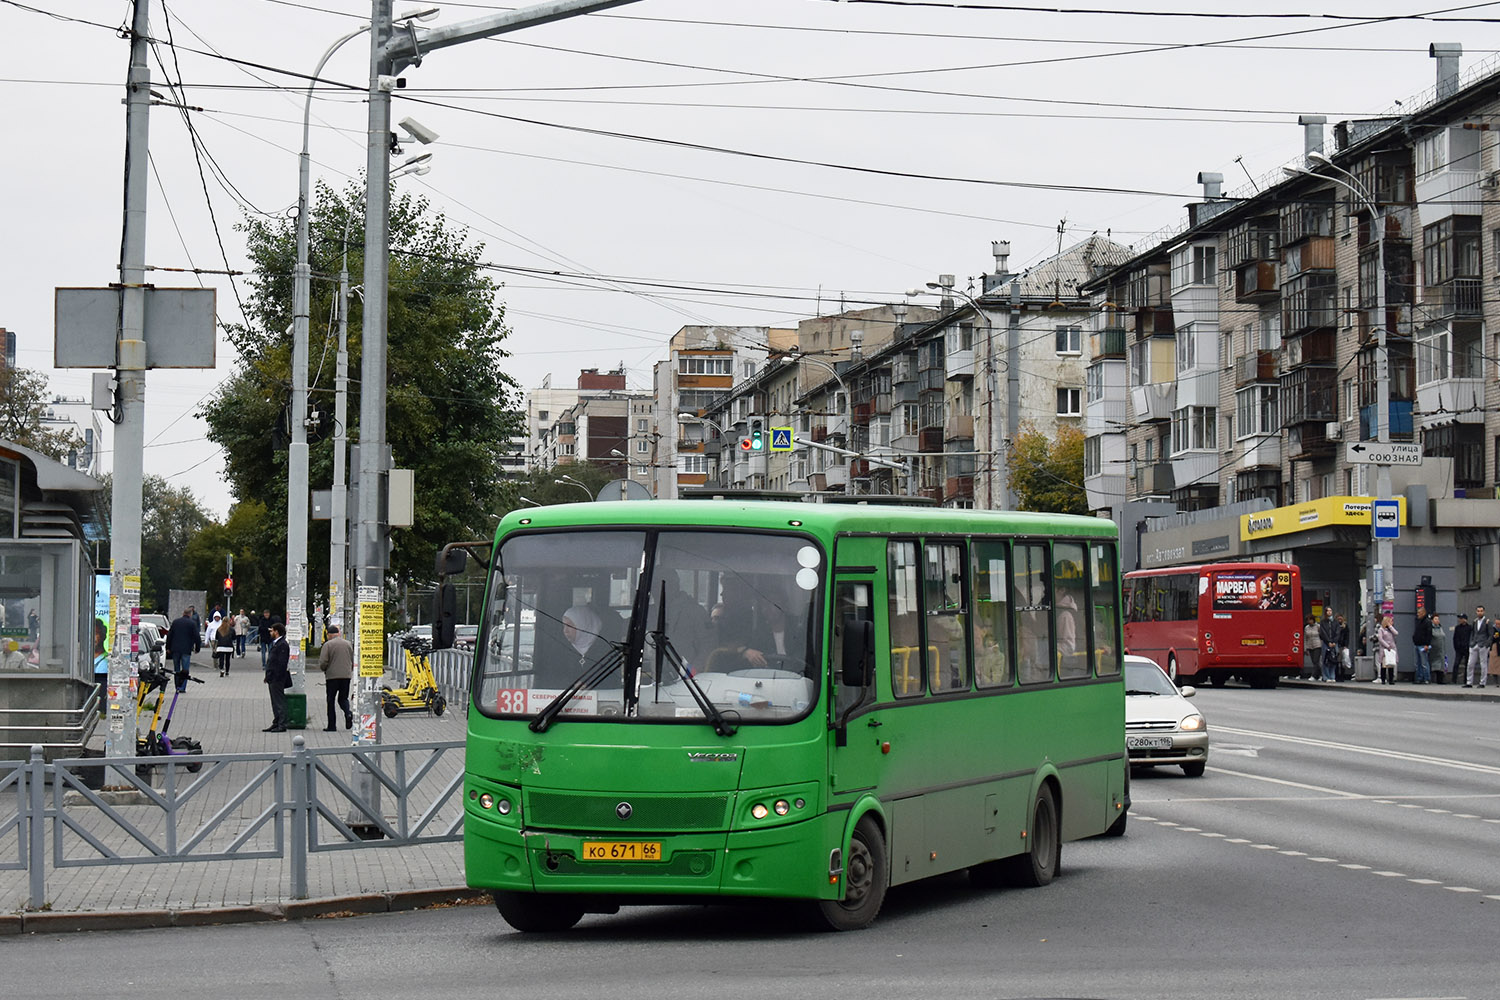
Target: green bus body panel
point(949, 779)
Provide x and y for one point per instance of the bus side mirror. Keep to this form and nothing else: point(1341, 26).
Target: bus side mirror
point(450, 561)
point(857, 657)
point(445, 614)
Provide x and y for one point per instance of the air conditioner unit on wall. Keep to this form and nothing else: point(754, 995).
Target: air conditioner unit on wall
point(1334, 431)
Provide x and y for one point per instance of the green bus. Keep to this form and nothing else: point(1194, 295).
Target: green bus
point(727, 699)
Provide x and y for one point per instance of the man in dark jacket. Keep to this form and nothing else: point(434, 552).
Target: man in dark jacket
point(337, 663)
point(182, 643)
point(278, 678)
point(1421, 637)
point(1461, 634)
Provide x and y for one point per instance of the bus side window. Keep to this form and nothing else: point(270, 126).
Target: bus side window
point(851, 602)
point(947, 649)
point(1069, 610)
point(1102, 583)
point(991, 616)
point(904, 619)
point(1032, 601)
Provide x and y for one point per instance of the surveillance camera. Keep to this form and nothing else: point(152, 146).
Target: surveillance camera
point(418, 131)
point(386, 84)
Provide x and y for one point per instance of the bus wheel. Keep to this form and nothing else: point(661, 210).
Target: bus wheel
point(531, 913)
point(866, 877)
point(1040, 862)
point(1172, 667)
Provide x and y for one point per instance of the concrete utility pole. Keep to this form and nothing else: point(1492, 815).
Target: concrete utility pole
point(391, 52)
point(130, 365)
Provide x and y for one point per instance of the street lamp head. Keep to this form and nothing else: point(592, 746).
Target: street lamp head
point(420, 14)
point(617, 453)
point(417, 131)
point(1317, 156)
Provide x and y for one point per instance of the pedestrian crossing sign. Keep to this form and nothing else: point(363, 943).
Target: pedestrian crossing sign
point(781, 439)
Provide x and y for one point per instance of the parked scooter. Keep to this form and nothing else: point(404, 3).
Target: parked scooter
point(156, 742)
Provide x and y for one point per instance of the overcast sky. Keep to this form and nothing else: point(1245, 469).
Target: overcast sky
point(747, 162)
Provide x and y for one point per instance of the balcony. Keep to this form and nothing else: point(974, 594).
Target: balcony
point(1155, 479)
point(1459, 298)
point(686, 446)
point(930, 439)
point(959, 427)
point(931, 493)
point(1257, 366)
point(960, 366)
point(881, 402)
point(859, 468)
point(1311, 349)
point(1308, 441)
point(863, 412)
point(1256, 282)
point(1106, 344)
point(836, 476)
point(958, 487)
point(1309, 396)
point(1154, 401)
point(1397, 322)
point(1450, 400)
point(930, 380)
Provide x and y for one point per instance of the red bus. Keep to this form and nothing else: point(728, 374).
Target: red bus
point(1217, 621)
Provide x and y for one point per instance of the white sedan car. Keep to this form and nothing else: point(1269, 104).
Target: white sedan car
point(1160, 726)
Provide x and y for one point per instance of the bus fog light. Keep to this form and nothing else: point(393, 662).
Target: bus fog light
point(486, 800)
point(800, 803)
point(781, 807)
point(759, 811)
point(503, 808)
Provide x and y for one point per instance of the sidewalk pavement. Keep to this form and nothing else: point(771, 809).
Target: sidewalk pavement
point(1407, 689)
point(227, 714)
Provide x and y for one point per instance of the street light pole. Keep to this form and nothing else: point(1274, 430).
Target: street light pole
point(1384, 574)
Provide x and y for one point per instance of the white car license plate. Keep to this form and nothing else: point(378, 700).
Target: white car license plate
point(1148, 742)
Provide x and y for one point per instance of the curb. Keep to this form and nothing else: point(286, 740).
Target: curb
point(301, 909)
point(1400, 690)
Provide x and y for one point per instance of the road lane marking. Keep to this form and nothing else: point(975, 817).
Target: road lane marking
point(1415, 758)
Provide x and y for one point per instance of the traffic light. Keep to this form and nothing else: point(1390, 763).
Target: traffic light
point(228, 586)
point(757, 434)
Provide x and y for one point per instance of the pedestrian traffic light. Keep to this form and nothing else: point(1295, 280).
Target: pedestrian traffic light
point(228, 586)
point(757, 434)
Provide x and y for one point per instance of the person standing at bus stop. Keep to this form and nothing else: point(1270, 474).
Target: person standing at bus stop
point(1480, 638)
point(1313, 645)
point(1328, 634)
point(1462, 632)
point(1421, 638)
point(1386, 641)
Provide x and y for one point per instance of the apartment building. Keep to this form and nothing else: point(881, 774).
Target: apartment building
point(1241, 370)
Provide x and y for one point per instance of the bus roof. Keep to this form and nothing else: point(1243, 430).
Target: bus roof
point(843, 518)
point(1217, 567)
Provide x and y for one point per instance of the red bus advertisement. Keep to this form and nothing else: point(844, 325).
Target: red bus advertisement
point(1217, 621)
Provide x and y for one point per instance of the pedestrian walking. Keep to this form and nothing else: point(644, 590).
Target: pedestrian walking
point(1386, 640)
point(241, 632)
point(1313, 643)
point(263, 636)
point(1480, 640)
point(182, 643)
point(223, 643)
point(278, 678)
point(1328, 632)
point(1421, 638)
point(336, 660)
point(1461, 633)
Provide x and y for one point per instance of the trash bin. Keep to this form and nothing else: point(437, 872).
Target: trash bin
point(296, 710)
point(1364, 668)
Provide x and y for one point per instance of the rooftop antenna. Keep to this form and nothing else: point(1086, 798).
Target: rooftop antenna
point(1241, 161)
point(1056, 302)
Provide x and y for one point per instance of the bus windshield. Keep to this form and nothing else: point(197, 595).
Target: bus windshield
point(628, 625)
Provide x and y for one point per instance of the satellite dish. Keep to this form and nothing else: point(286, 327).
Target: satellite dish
point(623, 489)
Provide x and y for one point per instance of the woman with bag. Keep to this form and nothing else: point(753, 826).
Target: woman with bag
point(223, 640)
point(1387, 640)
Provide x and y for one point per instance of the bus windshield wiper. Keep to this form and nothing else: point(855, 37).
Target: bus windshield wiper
point(592, 674)
point(666, 651)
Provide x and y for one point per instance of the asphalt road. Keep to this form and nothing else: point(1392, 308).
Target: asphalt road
point(1339, 846)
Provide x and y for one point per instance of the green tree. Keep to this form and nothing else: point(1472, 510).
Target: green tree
point(1047, 474)
point(23, 405)
point(259, 571)
point(450, 405)
point(171, 518)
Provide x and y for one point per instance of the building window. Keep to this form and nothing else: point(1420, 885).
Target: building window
point(1070, 340)
point(698, 364)
point(1256, 408)
point(642, 426)
point(1472, 558)
point(643, 447)
point(541, 415)
point(1069, 402)
point(692, 465)
point(1194, 429)
point(1092, 452)
point(1195, 265)
point(1094, 381)
point(1450, 249)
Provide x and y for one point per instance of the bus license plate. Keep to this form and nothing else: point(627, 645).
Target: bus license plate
point(621, 850)
point(1148, 742)
point(1252, 642)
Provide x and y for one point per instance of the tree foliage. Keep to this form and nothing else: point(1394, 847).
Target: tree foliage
point(259, 570)
point(450, 404)
point(171, 518)
point(23, 405)
point(1047, 474)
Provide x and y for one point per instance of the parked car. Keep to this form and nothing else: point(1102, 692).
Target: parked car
point(465, 636)
point(160, 621)
point(1160, 726)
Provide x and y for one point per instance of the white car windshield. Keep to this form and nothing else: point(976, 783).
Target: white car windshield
point(1147, 679)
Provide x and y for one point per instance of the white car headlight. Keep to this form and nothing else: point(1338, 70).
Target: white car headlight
point(1192, 724)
